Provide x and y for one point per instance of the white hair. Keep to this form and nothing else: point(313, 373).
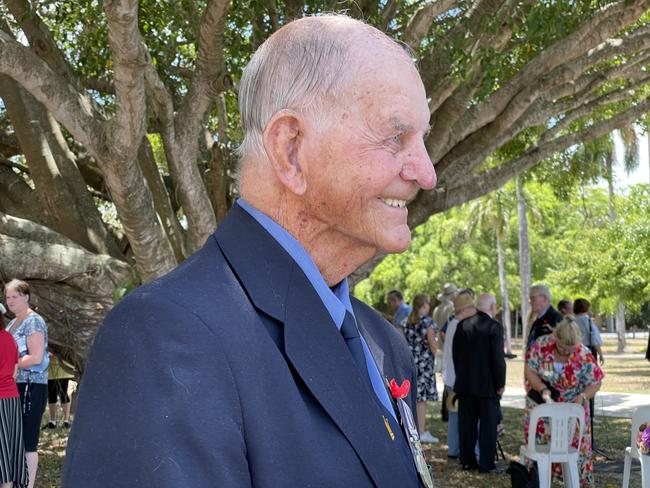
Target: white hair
point(541, 290)
point(299, 67)
point(485, 302)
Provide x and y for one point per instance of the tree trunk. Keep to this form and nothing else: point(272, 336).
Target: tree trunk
point(18, 199)
point(58, 183)
point(524, 258)
point(74, 289)
point(620, 327)
point(503, 285)
point(161, 200)
point(620, 309)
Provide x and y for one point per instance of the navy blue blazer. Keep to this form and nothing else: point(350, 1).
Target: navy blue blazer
point(229, 372)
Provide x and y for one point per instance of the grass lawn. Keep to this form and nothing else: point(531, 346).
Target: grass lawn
point(632, 346)
point(611, 435)
point(51, 451)
point(622, 373)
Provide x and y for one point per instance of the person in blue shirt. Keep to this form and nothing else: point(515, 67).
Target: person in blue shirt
point(251, 365)
point(397, 307)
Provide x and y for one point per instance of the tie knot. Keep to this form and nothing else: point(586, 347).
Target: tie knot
point(349, 328)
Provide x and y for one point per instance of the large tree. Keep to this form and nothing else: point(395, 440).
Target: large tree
point(118, 122)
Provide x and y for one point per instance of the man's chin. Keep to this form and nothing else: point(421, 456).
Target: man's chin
point(397, 243)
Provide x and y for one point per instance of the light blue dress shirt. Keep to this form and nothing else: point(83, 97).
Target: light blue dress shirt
point(403, 311)
point(335, 299)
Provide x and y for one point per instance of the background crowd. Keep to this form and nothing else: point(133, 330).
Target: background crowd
point(461, 339)
point(26, 387)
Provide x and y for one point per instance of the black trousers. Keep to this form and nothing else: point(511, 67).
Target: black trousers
point(592, 400)
point(471, 409)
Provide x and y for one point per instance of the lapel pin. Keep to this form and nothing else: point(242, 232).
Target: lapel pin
point(390, 431)
point(399, 391)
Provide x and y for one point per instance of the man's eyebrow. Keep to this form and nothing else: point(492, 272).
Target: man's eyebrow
point(402, 127)
point(405, 127)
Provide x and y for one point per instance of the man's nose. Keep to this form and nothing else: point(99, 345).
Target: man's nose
point(419, 168)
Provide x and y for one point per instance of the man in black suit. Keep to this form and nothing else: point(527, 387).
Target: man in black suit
point(546, 317)
point(480, 380)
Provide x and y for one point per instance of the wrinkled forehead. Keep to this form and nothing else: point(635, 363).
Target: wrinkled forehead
point(387, 84)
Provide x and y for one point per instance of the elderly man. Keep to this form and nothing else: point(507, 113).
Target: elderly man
point(480, 370)
point(250, 365)
point(543, 316)
point(487, 303)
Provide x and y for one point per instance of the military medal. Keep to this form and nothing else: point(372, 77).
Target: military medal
point(413, 438)
point(399, 392)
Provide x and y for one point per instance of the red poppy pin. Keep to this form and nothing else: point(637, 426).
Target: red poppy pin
point(399, 391)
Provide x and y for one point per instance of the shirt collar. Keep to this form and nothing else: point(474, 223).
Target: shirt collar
point(337, 298)
point(543, 312)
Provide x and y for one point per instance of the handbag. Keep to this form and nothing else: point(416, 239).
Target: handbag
point(536, 396)
point(522, 477)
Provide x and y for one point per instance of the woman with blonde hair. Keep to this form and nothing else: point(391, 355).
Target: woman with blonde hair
point(560, 368)
point(420, 332)
point(30, 333)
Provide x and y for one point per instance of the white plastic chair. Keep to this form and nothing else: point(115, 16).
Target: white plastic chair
point(562, 429)
point(641, 415)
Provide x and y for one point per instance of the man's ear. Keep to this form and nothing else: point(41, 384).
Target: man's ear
point(282, 137)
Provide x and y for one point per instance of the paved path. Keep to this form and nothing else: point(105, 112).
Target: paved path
point(607, 404)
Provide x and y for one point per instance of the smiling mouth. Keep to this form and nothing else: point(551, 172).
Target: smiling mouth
point(394, 202)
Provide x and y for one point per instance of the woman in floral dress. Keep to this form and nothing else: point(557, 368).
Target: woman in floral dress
point(561, 362)
point(420, 332)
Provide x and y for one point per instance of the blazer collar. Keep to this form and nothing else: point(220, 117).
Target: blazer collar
point(313, 345)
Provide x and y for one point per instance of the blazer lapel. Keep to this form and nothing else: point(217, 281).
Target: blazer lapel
point(318, 352)
point(313, 345)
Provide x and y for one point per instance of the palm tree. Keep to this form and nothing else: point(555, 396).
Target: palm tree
point(492, 213)
point(602, 151)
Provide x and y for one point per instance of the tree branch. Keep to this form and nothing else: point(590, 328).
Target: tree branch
point(478, 184)
point(130, 58)
point(531, 107)
point(18, 199)
point(8, 143)
point(161, 200)
point(209, 80)
point(70, 107)
point(273, 15)
point(99, 84)
point(419, 24)
point(610, 20)
point(41, 40)
point(471, 37)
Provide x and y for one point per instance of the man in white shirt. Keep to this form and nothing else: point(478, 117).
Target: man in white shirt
point(463, 303)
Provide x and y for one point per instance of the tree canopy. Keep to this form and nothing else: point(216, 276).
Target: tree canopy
point(119, 123)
